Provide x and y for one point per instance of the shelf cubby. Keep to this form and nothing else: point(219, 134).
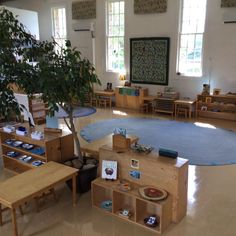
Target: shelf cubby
point(141, 208)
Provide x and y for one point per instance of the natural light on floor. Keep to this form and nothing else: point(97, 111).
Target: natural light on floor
point(115, 112)
point(205, 125)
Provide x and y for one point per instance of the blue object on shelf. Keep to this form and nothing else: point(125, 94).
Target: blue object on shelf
point(168, 153)
point(107, 205)
point(37, 151)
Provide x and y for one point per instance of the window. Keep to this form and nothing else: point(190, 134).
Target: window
point(59, 25)
point(115, 32)
point(191, 37)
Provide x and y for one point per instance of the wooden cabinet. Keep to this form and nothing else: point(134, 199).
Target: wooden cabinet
point(217, 106)
point(140, 208)
point(129, 97)
point(52, 148)
point(166, 173)
point(164, 105)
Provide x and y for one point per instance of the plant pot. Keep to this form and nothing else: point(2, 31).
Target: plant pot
point(84, 179)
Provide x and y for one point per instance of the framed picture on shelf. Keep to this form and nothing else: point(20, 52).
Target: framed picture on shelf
point(216, 91)
point(208, 100)
point(109, 170)
point(134, 163)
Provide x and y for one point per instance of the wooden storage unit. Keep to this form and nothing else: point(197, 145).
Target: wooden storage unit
point(57, 148)
point(166, 173)
point(141, 208)
point(218, 106)
point(129, 97)
point(38, 109)
point(164, 105)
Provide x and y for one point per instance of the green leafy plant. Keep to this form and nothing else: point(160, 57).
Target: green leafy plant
point(65, 78)
point(14, 41)
point(61, 76)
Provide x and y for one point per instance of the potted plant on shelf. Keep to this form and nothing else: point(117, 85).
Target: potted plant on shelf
point(60, 75)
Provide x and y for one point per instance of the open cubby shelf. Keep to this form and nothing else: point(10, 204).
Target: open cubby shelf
point(217, 106)
point(140, 208)
point(51, 145)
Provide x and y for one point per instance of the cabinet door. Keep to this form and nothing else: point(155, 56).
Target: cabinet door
point(53, 150)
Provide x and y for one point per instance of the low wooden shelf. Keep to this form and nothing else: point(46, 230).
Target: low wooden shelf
point(103, 190)
point(58, 147)
point(166, 173)
point(216, 106)
point(130, 97)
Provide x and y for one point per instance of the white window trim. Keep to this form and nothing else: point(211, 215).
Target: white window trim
point(55, 6)
point(184, 75)
point(118, 71)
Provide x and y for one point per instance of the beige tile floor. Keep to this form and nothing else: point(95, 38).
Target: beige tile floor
point(211, 202)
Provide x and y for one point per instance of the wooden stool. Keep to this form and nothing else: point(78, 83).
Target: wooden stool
point(144, 107)
point(182, 111)
point(103, 102)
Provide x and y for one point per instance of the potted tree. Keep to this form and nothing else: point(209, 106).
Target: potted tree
point(61, 75)
point(65, 78)
point(13, 41)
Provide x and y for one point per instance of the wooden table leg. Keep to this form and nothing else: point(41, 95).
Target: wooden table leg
point(0, 214)
point(14, 223)
point(74, 190)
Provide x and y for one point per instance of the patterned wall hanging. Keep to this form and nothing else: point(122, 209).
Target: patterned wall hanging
point(228, 3)
point(84, 10)
point(150, 6)
point(149, 60)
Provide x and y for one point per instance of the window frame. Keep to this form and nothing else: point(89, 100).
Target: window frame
point(194, 33)
point(107, 37)
point(53, 23)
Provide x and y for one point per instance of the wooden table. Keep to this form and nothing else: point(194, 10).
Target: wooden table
point(21, 188)
point(185, 103)
point(93, 147)
point(108, 94)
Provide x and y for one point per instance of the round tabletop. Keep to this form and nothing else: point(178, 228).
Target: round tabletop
point(77, 112)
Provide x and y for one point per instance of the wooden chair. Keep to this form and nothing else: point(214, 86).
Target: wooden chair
point(43, 196)
point(182, 111)
point(6, 209)
point(93, 101)
point(104, 102)
point(144, 107)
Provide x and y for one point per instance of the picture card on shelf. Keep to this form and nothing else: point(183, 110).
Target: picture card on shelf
point(109, 170)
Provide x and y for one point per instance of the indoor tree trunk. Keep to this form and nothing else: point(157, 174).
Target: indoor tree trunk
point(74, 133)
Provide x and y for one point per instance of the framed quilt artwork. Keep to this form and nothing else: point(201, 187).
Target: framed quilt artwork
point(149, 60)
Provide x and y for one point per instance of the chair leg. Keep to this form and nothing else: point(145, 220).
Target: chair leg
point(0, 214)
point(21, 211)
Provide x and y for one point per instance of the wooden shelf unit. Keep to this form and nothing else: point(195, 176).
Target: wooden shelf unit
point(140, 208)
point(220, 107)
point(57, 148)
point(166, 173)
point(130, 97)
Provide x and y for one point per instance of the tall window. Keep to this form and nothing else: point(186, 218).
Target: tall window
point(191, 37)
point(59, 25)
point(115, 32)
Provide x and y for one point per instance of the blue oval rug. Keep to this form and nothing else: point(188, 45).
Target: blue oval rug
point(201, 145)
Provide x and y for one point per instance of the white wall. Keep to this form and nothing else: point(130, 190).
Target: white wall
point(219, 50)
point(28, 18)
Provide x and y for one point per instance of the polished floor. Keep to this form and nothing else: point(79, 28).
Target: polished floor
point(211, 201)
